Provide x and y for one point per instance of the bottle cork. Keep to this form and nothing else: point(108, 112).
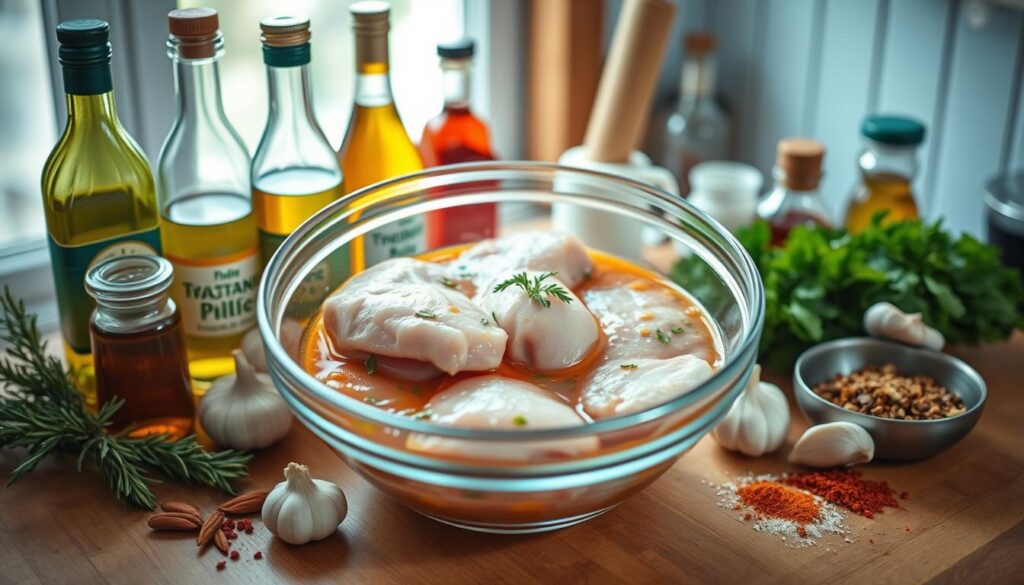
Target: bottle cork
point(285, 31)
point(197, 31)
point(799, 159)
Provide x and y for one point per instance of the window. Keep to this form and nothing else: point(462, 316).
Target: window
point(416, 28)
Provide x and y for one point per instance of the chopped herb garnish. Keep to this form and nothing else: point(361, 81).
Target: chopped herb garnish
point(370, 364)
point(425, 413)
point(426, 314)
point(536, 289)
point(370, 400)
point(677, 329)
point(519, 420)
point(448, 282)
point(629, 366)
point(662, 336)
point(495, 317)
point(485, 322)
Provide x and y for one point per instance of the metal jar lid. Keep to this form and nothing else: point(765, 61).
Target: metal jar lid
point(1004, 196)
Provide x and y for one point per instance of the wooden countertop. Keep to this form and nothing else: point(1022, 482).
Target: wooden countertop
point(964, 522)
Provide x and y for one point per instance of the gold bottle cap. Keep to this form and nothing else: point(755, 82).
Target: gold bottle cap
point(799, 159)
point(370, 24)
point(285, 31)
point(196, 29)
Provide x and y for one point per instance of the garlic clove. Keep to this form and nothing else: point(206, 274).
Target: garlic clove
point(243, 410)
point(302, 509)
point(758, 421)
point(885, 320)
point(833, 445)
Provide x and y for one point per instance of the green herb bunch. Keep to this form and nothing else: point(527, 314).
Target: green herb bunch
point(536, 289)
point(43, 413)
point(818, 285)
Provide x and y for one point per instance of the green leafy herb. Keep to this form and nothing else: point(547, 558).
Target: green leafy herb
point(820, 282)
point(677, 330)
point(485, 322)
point(370, 400)
point(628, 366)
point(662, 336)
point(448, 282)
point(495, 317)
point(423, 414)
point(519, 420)
point(370, 364)
point(426, 314)
point(536, 289)
point(42, 413)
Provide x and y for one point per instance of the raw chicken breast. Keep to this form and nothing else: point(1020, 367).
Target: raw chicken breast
point(497, 402)
point(394, 309)
point(544, 338)
point(540, 251)
point(617, 388)
point(632, 311)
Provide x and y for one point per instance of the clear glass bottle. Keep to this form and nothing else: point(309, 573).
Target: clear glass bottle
point(698, 130)
point(376, 146)
point(295, 172)
point(139, 347)
point(98, 191)
point(203, 186)
point(795, 199)
point(888, 165)
point(453, 136)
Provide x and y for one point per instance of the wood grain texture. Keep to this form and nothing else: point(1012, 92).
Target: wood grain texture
point(964, 523)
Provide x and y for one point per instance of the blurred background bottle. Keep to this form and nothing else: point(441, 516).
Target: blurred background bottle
point(376, 146)
point(295, 172)
point(795, 199)
point(98, 191)
point(209, 232)
point(453, 136)
point(888, 165)
point(698, 130)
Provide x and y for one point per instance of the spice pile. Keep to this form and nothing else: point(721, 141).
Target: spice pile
point(802, 508)
point(883, 392)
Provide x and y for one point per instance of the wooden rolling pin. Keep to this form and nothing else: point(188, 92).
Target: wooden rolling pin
point(628, 80)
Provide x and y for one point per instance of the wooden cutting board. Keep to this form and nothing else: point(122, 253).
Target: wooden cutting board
point(963, 522)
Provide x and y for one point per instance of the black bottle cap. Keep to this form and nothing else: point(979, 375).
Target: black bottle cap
point(84, 32)
point(84, 55)
point(460, 49)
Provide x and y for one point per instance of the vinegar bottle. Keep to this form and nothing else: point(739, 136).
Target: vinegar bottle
point(295, 172)
point(139, 346)
point(887, 164)
point(457, 135)
point(795, 200)
point(203, 185)
point(98, 192)
point(376, 146)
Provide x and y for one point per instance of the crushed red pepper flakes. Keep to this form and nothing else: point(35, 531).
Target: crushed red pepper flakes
point(234, 555)
point(846, 488)
point(904, 495)
point(222, 565)
point(258, 555)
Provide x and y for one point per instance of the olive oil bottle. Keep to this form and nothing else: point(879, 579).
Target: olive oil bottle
point(209, 232)
point(98, 191)
point(376, 146)
point(294, 172)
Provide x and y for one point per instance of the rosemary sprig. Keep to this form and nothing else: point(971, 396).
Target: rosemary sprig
point(42, 412)
point(536, 289)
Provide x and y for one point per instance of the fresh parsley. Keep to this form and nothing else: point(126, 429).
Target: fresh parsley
point(426, 314)
point(370, 400)
point(448, 282)
point(677, 330)
point(628, 366)
point(370, 364)
point(662, 336)
point(485, 322)
point(536, 289)
point(519, 420)
point(495, 317)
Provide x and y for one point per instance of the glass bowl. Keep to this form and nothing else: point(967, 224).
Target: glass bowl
point(502, 495)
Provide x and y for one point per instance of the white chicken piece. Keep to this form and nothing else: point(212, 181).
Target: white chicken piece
point(626, 386)
point(396, 309)
point(497, 402)
point(633, 311)
point(546, 337)
point(539, 251)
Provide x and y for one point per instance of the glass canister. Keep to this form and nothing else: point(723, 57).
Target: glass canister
point(888, 165)
point(795, 199)
point(138, 346)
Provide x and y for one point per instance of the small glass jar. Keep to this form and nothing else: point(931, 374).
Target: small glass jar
point(138, 346)
point(795, 199)
point(888, 165)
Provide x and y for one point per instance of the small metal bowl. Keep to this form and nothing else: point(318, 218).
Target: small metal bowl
point(902, 440)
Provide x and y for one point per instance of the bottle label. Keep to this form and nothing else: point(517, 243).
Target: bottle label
point(217, 296)
point(406, 237)
point(70, 264)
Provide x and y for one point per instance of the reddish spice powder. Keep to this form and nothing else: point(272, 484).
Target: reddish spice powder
point(769, 498)
point(844, 487)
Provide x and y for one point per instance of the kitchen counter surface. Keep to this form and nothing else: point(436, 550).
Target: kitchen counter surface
point(963, 522)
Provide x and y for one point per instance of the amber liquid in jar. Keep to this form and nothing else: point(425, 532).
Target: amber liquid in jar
point(881, 192)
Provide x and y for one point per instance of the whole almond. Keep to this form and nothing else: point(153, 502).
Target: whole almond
point(247, 503)
point(210, 527)
point(183, 508)
point(221, 540)
point(173, 521)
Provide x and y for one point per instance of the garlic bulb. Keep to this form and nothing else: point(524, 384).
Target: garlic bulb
point(758, 421)
point(832, 445)
point(885, 320)
point(243, 410)
point(302, 509)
